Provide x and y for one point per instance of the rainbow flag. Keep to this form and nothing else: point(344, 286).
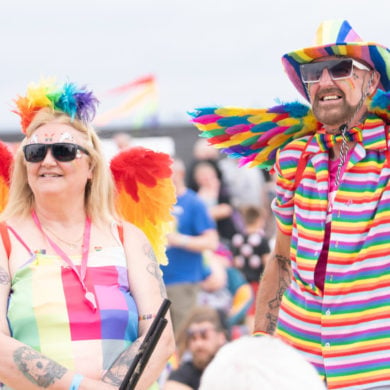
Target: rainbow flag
point(139, 105)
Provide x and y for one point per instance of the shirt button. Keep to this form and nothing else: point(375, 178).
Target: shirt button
point(327, 345)
point(331, 278)
point(328, 312)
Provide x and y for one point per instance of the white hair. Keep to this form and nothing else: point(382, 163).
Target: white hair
point(259, 363)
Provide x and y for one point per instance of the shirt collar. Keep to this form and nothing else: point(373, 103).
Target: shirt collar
point(370, 134)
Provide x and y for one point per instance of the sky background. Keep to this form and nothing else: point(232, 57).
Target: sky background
point(204, 52)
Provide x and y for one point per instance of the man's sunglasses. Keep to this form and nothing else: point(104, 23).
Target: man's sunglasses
point(203, 333)
point(338, 69)
point(61, 151)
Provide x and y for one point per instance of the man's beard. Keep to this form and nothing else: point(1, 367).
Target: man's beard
point(201, 360)
point(336, 116)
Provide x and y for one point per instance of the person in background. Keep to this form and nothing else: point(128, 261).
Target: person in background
point(246, 186)
point(227, 291)
point(265, 363)
point(212, 191)
point(79, 287)
point(195, 232)
point(202, 152)
point(122, 140)
point(201, 336)
point(251, 251)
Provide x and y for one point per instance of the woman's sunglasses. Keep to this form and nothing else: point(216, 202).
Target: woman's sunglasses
point(338, 69)
point(61, 151)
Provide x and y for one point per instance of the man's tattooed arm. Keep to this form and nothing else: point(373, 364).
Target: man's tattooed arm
point(274, 282)
point(154, 269)
point(38, 369)
point(284, 279)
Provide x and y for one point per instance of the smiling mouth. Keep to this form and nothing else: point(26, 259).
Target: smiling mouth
point(329, 96)
point(49, 175)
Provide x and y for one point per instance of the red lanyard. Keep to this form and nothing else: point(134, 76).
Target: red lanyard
point(89, 296)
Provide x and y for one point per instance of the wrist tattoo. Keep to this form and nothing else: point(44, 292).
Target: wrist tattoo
point(36, 368)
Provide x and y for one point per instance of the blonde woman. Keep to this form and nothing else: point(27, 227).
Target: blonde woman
point(82, 286)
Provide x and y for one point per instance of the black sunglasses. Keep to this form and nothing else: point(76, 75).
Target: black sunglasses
point(338, 69)
point(203, 333)
point(61, 151)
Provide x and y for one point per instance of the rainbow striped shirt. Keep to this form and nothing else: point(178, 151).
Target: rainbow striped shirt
point(345, 329)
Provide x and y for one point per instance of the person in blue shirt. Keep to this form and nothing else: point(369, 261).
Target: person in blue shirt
point(195, 232)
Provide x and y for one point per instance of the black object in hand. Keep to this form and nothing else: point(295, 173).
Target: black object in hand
point(146, 349)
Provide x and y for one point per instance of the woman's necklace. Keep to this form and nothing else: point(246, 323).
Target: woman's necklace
point(75, 244)
point(79, 271)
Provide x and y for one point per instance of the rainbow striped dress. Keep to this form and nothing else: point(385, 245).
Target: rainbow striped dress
point(48, 311)
point(344, 329)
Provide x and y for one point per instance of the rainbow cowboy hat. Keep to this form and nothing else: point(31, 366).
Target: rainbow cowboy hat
point(337, 38)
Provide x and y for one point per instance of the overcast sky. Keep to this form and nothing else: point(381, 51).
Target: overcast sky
point(204, 52)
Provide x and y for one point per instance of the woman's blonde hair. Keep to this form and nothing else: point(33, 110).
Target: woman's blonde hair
point(99, 191)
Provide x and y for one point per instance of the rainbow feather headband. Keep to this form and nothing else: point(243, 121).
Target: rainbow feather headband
point(78, 103)
point(254, 136)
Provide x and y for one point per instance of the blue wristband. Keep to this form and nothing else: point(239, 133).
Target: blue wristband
point(76, 382)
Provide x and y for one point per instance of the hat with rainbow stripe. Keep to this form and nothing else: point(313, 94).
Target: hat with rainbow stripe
point(337, 38)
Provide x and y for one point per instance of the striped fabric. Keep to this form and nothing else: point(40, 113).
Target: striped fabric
point(48, 311)
point(344, 331)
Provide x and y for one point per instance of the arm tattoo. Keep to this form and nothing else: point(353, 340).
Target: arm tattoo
point(116, 373)
point(4, 277)
point(154, 269)
point(284, 282)
point(36, 368)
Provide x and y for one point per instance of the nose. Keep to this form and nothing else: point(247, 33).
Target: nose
point(325, 77)
point(49, 159)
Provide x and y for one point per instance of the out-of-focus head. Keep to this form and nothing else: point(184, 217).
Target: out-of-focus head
point(122, 140)
point(203, 334)
point(336, 38)
point(253, 363)
point(203, 151)
point(205, 174)
point(69, 111)
point(178, 173)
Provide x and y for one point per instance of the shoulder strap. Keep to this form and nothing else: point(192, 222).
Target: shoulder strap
point(5, 237)
point(387, 130)
point(302, 164)
point(120, 232)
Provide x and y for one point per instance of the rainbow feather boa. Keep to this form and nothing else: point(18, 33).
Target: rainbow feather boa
point(255, 135)
point(77, 102)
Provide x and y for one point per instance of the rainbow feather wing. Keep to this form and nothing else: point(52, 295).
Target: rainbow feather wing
point(380, 104)
point(6, 158)
point(146, 193)
point(254, 135)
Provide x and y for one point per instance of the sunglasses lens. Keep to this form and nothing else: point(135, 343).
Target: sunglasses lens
point(338, 69)
point(311, 72)
point(35, 152)
point(341, 69)
point(64, 151)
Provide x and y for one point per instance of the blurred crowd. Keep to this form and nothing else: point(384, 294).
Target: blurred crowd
point(222, 238)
